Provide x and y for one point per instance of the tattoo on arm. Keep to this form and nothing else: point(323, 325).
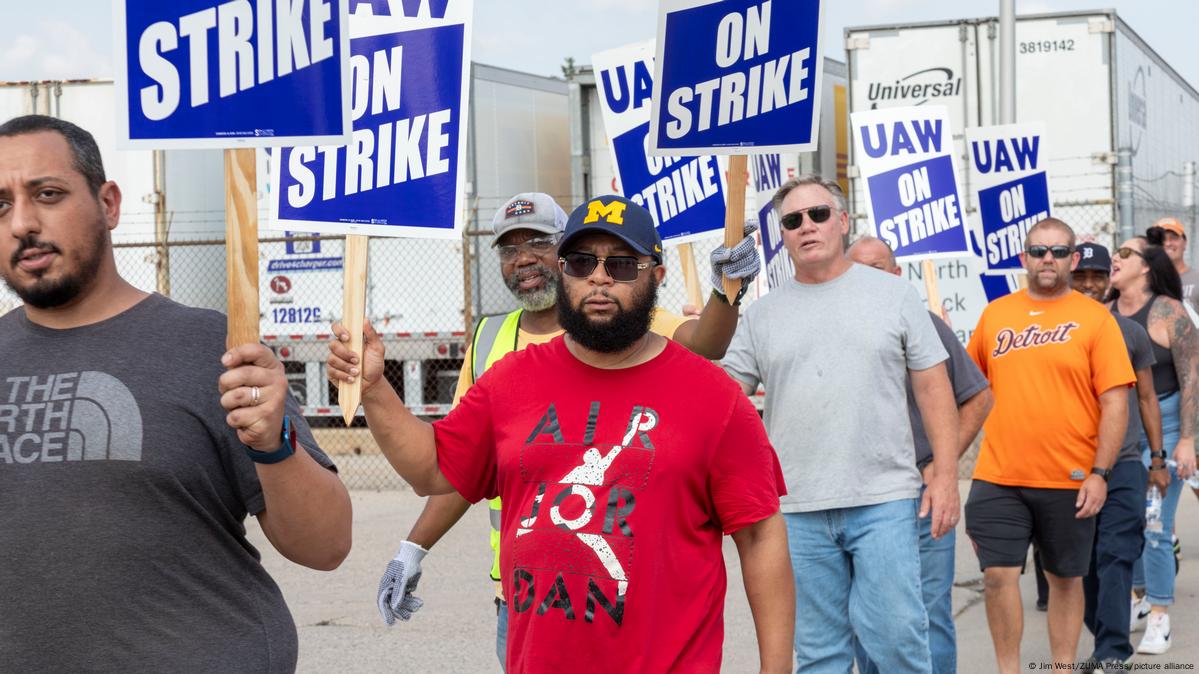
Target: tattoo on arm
point(1184, 347)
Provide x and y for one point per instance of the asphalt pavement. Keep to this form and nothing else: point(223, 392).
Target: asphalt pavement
point(340, 628)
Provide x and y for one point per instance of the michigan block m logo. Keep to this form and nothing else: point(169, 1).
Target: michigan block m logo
point(613, 212)
point(75, 416)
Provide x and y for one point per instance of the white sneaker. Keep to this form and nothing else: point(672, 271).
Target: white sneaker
point(1140, 611)
point(1157, 635)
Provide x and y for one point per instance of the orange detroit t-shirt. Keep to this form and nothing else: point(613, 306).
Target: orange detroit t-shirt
point(1047, 362)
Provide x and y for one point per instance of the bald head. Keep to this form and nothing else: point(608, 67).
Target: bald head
point(1052, 224)
point(873, 252)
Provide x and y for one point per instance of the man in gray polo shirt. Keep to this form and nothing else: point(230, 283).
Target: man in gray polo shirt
point(833, 350)
point(972, 392)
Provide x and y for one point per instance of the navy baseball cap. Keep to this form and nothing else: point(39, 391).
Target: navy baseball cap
point(619, 217)
point(1092, 256)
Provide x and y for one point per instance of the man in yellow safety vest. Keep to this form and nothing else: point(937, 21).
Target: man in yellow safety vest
point(527, 229)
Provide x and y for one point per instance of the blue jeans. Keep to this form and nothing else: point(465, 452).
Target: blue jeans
point(1119, 537)
point(501, 634)
point(1155, 570)
point(857, 572)
point(936, 585)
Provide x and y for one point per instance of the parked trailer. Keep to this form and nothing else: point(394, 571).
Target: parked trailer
point(1111, 106)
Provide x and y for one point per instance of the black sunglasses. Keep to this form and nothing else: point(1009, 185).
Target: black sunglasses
point(794, 219)
point(1126, 252)
point(623, 268)
point(1059, 252)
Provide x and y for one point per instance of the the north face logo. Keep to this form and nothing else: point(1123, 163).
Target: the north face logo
point(75, 416)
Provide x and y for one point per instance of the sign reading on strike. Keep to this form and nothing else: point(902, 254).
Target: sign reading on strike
point(402, 173)
point(737, 76)
point(196, 74)
point(767, 173)
point(1011, 188)
point(905, 156)
point(684, 194)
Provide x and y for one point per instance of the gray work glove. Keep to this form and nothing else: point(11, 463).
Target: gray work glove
point(739, 262)
point(399, 582)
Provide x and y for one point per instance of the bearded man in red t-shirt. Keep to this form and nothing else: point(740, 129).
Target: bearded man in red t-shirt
point(622, 460)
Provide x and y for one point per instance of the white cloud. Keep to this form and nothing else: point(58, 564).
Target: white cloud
point(53, 50)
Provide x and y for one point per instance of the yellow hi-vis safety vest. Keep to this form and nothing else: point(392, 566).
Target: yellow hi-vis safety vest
point(495, 337)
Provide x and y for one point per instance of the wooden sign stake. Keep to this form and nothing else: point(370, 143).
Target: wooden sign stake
point(695, 296)
point(734, 216)
point(930, 287)
point(241, 246)
point(353, 316)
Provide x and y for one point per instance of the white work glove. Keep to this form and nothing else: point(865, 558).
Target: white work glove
point(739, 262)
point(399, 582)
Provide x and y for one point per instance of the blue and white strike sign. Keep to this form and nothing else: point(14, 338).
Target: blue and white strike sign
point(767, 173)
point(905, 157)
point(684, 194)
point(402, 173)
point(1011, 188)
point(199, 74)
point(737, 76)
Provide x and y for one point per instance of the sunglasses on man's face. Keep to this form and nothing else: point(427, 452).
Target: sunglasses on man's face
point(1126, 252)
point(1059, 252)
point(623, 268)
point(538, 246)
point(817, 214)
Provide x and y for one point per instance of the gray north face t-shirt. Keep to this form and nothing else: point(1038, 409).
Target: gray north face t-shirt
point(1140, 352)
point(834, 358)
point(122, 500)
point(965, 377)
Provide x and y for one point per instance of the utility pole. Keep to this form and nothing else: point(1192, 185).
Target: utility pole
point(1007, 61)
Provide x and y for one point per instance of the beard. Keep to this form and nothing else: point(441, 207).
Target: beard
point(48, 293)
point(1047, 287)
point(535, 299)
point(622, 331)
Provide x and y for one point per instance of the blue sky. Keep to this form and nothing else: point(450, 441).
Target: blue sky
point(57, 39)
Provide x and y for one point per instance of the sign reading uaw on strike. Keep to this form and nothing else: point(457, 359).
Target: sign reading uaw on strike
point(1011, 188)
point(204, 74)
point(684, 194)
point(905, 156)
point(402, 172)
point(767, 173)
point(737, 76)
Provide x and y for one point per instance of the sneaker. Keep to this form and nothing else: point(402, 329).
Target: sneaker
point(1042, 605)
point(1140, 611)
point(1157, 635)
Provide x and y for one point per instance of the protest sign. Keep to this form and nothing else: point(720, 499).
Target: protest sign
point(1011, 188)
point(203, 74)
point(403, 171)
point(769, 172)
point(905, 157)
point(737, 76)
point(684, 194)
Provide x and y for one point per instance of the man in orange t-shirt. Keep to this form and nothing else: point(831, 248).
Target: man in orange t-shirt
point(1060, 373)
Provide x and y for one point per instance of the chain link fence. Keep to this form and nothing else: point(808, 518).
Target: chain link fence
point(424, 297)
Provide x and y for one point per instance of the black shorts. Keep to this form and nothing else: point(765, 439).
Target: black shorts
point(1002, 521)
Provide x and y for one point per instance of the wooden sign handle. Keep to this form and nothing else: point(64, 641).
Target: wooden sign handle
point(353, 316)
point(929, 271)
point(734, 216)
point(241, 246)
point(695, 296)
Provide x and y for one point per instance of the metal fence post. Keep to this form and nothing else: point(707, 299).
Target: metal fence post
point(1124, 192)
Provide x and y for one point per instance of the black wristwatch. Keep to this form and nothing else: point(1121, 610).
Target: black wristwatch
point(1159, 454)
point(1105, 473)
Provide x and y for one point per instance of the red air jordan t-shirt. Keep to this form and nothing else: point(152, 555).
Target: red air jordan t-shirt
point(617, 488)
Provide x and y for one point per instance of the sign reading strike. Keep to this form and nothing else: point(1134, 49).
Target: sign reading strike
point(737, 76)
point(768, 172)
point(684, 194)
point(1012, 188)
point(402, 172)
point(905, 156)
point(208, 74)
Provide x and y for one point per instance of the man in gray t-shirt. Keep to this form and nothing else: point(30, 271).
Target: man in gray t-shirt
point(1119, 525)
point(1170, 234)
point(133, 444)
point(972, 393)
point(833, 349)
